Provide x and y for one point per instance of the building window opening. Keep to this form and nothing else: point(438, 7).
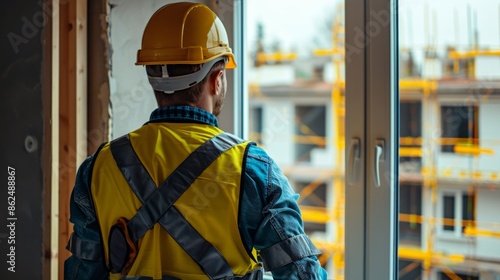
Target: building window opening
point(310, 131)
point(459, 127)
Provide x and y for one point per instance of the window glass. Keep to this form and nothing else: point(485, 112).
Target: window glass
point(449, 111)
point(410, 229)
point(449, 275)
point(295, 77)
point(310, 131)
point(459, 127)
point(449, 139)
point(449, 212)
point(468, 218)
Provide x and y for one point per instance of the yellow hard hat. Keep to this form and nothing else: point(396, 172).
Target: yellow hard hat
point(184, 33)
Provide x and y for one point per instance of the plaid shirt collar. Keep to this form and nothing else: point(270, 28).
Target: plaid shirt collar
point(183, 114)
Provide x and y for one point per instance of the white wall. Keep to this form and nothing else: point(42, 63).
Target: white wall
point(272, 75)
point(132, 98)
point(489, 129)
point(487, 211)
point(487, 67)
point(278, 130)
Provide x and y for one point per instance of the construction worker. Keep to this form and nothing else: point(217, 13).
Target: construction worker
point(179, 198)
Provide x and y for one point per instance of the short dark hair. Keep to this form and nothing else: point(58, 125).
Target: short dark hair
point(186, 96)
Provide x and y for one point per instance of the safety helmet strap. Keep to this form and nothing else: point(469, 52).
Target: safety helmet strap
point(169, 84)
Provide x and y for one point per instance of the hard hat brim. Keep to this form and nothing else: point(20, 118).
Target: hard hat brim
point(165, 57)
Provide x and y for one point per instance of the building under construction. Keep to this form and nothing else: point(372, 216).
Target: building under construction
point(449, 178)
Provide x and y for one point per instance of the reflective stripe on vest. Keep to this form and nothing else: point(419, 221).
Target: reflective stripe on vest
point(210, 206)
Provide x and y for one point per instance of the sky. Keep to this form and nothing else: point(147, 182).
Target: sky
point(296, 25)
point(292, 23)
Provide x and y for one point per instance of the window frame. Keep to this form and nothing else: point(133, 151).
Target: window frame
point(235, 114)
point(457, 232)
point(372, 85)
point(372, 102)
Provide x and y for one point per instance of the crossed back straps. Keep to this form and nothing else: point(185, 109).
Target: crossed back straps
point(158, 202)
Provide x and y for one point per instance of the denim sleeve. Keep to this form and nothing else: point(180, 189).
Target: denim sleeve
point(269, 214)
point(85, 226)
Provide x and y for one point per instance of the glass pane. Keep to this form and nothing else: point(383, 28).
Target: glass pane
point(295, 80)
point(459, 125)
point(449, 213)
point(449, 139)
point(468, 217)
point(410, 230)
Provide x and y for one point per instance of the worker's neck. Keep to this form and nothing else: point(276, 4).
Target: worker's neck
point(205, 102)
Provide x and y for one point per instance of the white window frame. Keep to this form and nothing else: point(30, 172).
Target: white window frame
point(457, 233)
point(233, 117)
point(372, 110)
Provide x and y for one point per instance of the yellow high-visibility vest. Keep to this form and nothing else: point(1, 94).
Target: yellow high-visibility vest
point(210, 204)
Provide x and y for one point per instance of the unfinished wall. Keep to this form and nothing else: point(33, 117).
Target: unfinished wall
point(132, 99)
point(21, 107)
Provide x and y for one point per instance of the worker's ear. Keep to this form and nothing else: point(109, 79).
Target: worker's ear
point(216, 81)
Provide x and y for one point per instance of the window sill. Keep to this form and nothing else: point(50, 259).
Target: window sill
point(453, 238)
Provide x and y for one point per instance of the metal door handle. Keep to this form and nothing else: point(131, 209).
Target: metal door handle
point(379, 151)
point(354, 158)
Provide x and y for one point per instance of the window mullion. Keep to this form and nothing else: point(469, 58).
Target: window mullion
point(355, 127)
point(382, 139)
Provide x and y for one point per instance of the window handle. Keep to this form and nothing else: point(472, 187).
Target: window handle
point(379, 156)
point(354, 159)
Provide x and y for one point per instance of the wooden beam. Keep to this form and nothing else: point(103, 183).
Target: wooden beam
point(81, 48)
point(72, 109)
point(98, 82)
point(67, 124)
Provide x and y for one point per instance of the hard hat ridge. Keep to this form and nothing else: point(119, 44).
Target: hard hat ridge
point(184, 33)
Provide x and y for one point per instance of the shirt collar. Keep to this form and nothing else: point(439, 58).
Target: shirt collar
point(183, 114)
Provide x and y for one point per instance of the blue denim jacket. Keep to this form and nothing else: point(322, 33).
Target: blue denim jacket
point(268, 215)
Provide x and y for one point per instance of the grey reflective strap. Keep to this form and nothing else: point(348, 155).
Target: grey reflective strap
point(132, 169)
point(287, 251)
point(178, 182)
point(170, 84)
point(201, 251)
point(82, 249)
